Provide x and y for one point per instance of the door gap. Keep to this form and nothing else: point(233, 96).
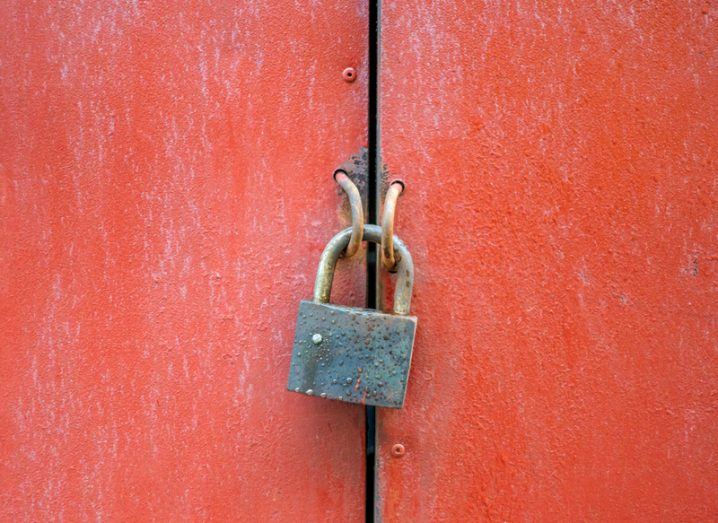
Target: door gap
point(372, 296)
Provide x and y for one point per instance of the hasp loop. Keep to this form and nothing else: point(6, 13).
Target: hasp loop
point(389, 257)
point(357, 211)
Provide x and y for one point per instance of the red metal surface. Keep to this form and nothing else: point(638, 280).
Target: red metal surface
point(165, 194)
point(560, 161)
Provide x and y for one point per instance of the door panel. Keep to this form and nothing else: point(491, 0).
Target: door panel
point(163, 205)
point(560, 162)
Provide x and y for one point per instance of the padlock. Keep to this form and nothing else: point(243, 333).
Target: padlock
point(353, 354)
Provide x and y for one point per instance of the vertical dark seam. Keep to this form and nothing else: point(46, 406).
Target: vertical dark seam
point(371, 260)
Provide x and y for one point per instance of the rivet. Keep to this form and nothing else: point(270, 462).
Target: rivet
point(316, 338)
point(349, 74)
point(310, 392)
point(323, 395)
point(398, 450)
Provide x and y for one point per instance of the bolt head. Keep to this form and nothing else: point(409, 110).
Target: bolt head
point(317, 338)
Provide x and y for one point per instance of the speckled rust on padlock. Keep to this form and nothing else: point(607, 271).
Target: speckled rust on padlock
point(353, 354)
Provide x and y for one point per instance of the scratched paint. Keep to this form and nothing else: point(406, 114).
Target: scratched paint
point(165, 194)
point(560, 160)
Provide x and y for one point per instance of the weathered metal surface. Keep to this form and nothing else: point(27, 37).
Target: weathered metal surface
point(562, 208)
point(146, 267)
point(372, 233)
point(357, 169)
point(351, 354)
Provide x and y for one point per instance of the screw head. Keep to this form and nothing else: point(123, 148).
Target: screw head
point(398, 450)
point(317, 338)
point(349, 74)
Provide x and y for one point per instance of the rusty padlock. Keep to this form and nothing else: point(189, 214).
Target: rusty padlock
point(353, 354)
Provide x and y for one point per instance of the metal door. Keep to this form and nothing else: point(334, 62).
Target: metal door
point(560, 160)
point(163, 196)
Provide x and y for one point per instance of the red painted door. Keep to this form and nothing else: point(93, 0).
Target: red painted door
point(561, 164)
point(163, 199)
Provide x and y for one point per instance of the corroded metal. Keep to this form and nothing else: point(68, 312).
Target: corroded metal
point(372, 233)
point(352, 354)
point(363, 357)
point(357, 169)
point(357, 210)
point(388, 256)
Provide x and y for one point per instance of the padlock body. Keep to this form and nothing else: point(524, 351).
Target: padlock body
point(352, 354)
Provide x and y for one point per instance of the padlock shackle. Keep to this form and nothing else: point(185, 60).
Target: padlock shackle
point(372, 233)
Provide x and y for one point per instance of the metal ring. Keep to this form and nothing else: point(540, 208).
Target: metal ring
point(372, 233)
point(388, 256)
point(357, 211)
